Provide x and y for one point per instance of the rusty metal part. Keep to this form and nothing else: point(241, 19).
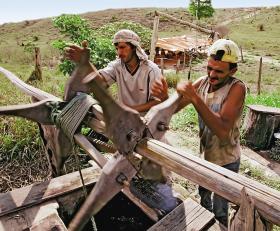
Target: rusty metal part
point(158, 117)
point(104, 147)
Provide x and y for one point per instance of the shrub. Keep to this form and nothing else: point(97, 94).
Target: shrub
point(100, 41)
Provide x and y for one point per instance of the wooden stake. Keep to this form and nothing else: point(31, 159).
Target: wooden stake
point(184, 64)
point(162, 65)
point(154, 38)
point(241, 52)
point(178, 66)
point(259, 78)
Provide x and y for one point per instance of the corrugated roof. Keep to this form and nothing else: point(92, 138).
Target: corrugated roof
point(180, 43)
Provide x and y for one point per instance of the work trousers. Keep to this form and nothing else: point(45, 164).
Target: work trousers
point(218, 205)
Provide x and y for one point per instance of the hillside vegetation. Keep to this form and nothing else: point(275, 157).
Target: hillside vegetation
point(14, 36)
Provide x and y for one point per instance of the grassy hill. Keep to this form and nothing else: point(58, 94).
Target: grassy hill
point(13, 36)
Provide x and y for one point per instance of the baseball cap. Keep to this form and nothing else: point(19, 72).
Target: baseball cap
point(231, 50)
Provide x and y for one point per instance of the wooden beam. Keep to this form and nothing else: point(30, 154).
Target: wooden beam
point(187, 216)
point(39, 192)
point(39, 217)
point(213, 177)
point(192, 25)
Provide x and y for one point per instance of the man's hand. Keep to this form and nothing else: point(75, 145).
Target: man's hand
point(74, 52)
point(160, 89)
point(187, 90)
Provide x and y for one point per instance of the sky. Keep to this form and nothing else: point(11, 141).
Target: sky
point(20, 10)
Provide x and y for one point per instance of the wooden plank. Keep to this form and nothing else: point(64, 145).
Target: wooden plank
point(51, 222)
point(213, 177)
point(217, 227)
point(187, 216)
point(36, 218)
point(39, 192)
point(271, 167)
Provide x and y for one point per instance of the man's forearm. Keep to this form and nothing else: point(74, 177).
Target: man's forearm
point(146, 106)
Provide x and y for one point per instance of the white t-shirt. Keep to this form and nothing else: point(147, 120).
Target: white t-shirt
point(132, 89)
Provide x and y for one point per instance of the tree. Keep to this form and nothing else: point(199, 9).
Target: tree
point(201, 8)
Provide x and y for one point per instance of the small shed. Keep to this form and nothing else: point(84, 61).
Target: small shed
point(176, 51)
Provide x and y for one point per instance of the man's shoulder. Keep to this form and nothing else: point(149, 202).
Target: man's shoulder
point(116, 62)
point(238, 82)
point(150, 65)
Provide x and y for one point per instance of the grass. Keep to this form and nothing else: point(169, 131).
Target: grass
point(18, 135)
point(247, 34)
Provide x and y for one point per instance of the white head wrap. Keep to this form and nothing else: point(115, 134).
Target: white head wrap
point(130, 37)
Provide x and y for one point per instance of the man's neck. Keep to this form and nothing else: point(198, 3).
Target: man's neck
point(133, 64)
point(216, 87)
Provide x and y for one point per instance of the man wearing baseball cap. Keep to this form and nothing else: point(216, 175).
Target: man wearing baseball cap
point(218, 99)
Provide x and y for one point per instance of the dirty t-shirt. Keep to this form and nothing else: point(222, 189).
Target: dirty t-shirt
point(132, 89)
point(214, 150)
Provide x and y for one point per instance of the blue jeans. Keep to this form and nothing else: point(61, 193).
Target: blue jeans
point(219, 205)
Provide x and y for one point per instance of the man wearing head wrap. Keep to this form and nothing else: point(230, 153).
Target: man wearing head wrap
point(132, 71)
point(218, 99)
point(135, 75)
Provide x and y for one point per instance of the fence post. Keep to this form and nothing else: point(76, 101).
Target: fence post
point(162, 65)
point(178, 66)
point(154, 38)
point(259, 78)
point(184, 64)
point(241, 53)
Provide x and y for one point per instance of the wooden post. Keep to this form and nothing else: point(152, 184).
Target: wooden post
point(247, 217)
point(241, 52)
point(161, 64)
point(259, 78)
point(37, 73)
point(184, 64)
point(178, 66)
point(154, 38)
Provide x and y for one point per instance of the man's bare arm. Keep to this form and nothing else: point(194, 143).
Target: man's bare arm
point(83, 73)
point(146, 106)
point(222, 122)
